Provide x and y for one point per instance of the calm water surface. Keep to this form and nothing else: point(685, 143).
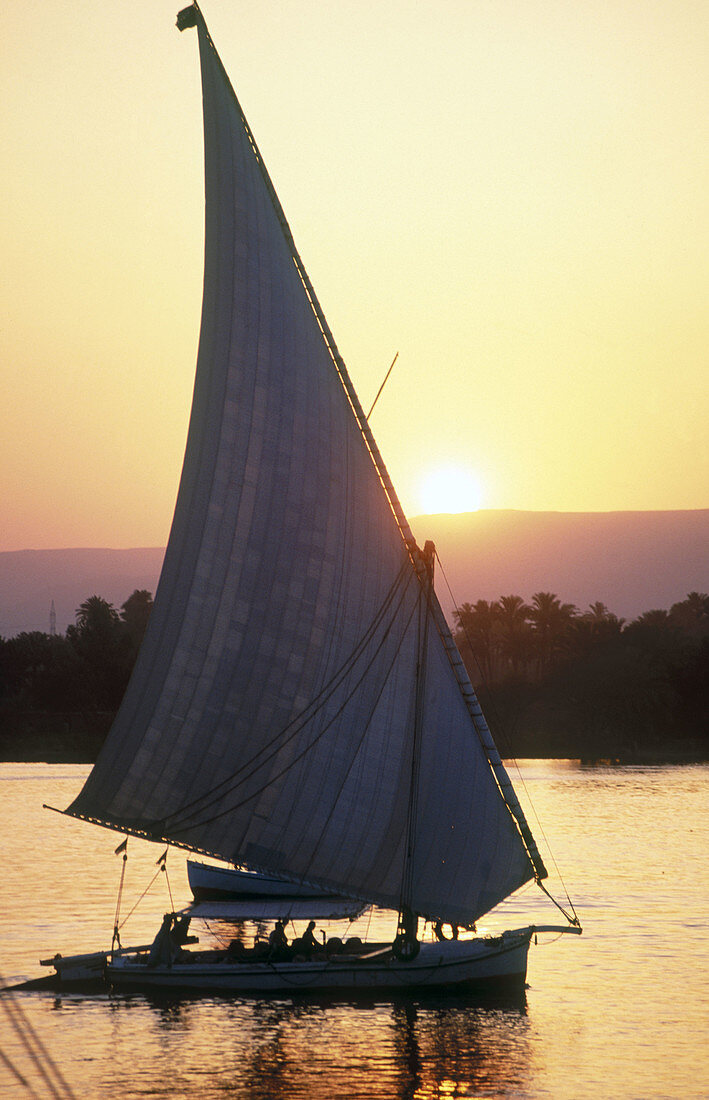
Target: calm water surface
point(620, 1012)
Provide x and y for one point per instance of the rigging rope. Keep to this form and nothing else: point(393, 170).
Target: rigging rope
point(360, 742)
point(272, 747)
point(145, 891)
point(274, 778)
point(571, 919)
point(116, 937)
point(162, 864)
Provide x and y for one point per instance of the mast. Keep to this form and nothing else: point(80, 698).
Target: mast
point(407, 924)
point(406, 942)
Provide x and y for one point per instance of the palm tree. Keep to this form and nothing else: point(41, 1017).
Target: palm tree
point(592, 630)
point(477, 634)
point(656, 619)
point(604, 624)
point(551, 620)
point(692, 614)
point(514, 633)
point(96, 616)
point(654, 633)
point(101, 642)
point(135, 613)
point(597, 612)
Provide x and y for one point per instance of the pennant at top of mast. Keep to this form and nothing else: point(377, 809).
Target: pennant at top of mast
point(187, 17)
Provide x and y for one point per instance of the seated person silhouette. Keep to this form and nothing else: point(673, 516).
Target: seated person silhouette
point(309, 943)
point(278, 943)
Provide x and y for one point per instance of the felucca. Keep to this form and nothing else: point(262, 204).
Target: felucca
point(298, 707)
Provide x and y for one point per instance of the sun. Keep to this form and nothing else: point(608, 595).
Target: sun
point(450, 489)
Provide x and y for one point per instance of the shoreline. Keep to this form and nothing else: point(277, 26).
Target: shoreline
point(76, 738)
point(43, 737)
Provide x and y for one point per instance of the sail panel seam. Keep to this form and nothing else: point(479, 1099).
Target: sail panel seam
point(181, 827)
point(271, 748)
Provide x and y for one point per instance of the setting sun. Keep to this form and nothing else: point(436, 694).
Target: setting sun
point(449, 489)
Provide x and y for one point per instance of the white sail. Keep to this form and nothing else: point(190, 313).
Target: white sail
point(270, 717)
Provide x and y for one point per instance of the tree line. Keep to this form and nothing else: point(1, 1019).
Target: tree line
point(553, 680)
point(86, 669)
point(562, 681)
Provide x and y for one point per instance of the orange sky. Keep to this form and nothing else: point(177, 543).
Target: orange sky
point(511, 195)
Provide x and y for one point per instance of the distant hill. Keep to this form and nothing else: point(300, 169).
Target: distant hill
point(31, 579)
point(631, 561)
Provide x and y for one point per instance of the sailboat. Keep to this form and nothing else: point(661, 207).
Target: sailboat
point(298, 707)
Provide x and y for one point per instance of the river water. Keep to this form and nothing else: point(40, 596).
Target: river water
point(621, 1011)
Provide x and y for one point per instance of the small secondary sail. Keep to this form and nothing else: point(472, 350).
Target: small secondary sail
point(269, 719)
point(270, 909)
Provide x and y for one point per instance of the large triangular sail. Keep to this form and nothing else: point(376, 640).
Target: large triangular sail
point(269, 720)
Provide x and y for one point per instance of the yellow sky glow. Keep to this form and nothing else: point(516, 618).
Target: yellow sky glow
point(512, 196)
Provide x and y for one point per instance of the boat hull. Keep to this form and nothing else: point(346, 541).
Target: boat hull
point(453, 964)
point(210, 883)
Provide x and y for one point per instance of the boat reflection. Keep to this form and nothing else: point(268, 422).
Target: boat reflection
point(408, 1049)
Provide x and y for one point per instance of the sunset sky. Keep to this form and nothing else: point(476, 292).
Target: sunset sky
point(514, 196)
